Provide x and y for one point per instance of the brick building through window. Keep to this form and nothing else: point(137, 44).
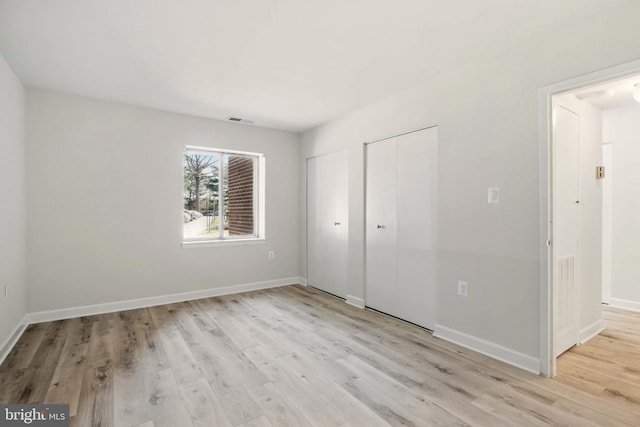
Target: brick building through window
point(223, 195)
point(240, 214)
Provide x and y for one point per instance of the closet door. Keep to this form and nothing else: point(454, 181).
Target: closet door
point(401, 226)
point(327, 225)
point(381, 247)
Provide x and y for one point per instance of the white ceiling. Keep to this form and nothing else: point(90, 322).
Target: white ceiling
point(609, 95)
point(289, 64)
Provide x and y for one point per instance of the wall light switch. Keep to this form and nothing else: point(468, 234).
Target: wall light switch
point(494, 196)
point(271, 255)
point(463, 288)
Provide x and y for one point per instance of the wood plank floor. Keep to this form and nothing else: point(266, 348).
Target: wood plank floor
point(608, 366)
point(285, 357)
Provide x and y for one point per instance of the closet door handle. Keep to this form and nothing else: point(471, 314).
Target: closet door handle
point(336, 223)
point(380, 226)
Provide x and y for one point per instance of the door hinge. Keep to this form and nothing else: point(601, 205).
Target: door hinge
point(548, 242)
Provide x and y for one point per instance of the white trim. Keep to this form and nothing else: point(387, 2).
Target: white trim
point(488, 348)
point(211, 150)
point(302, 281)
point(12, 339)
point(110, 307)
point(547, 358)
point(191, 244)
point(625, 304)
point(590, 331)
point(354, 301)
point(400, 134)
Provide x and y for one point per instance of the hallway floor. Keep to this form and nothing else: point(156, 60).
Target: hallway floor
point(608, 366)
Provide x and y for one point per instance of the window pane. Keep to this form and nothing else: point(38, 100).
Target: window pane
point(239, 195)
point(201, 195)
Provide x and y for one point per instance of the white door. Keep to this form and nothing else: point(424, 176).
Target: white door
point(566, 181)
point(327, 223)
point(417, 197)
point(381, 240)
point(401, 226)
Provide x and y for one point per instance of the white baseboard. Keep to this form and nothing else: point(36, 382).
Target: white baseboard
point(110, 307)
point(591, 331)
point(626, 304)
point(302, 281)
point(488, 348)
point(355, 301)
point(13, 338)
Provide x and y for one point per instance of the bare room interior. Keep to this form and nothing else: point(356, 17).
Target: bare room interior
point(414, 213)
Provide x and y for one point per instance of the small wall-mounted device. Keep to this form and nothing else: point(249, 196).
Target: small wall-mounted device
point(494, 196)
point(599, 172)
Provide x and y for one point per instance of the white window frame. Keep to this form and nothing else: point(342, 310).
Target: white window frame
point(258, 200)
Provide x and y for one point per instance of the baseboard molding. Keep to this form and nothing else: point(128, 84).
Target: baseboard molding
point(110, 307)
point(302, 281)
point(13, 338)
point(488, 348)
point(626, 304)
point(354, 301)
point(591, 331)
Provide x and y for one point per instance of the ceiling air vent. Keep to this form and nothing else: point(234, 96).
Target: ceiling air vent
point(239, 120)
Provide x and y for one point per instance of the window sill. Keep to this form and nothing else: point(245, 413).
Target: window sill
point(227, 242)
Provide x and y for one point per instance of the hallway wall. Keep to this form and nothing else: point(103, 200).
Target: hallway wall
point(622, 129)
point(13, 209)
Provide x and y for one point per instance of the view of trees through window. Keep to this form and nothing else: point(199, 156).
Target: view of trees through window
point(219, 195)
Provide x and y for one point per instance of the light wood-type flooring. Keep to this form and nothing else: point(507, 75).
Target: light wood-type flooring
point(608, 365)
point(294, 356)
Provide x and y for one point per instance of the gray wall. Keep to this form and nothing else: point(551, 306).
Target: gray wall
point(487, 117)
point(623, 131)
point(105, 200)
point(13, 212)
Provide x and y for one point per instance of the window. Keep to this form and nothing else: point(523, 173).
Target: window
point(222, 195)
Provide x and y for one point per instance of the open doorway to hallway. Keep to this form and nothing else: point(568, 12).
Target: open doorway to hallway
point(596, 237)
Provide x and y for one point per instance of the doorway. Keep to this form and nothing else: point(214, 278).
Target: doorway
point(555, 268)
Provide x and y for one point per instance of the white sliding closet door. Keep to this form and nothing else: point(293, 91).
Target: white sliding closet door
point(381, 292)
point(401, 250)
point(327, 226)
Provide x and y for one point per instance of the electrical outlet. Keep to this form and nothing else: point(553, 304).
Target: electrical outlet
point(271, 255)
point(463, 288)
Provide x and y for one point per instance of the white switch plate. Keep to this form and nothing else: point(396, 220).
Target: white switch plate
point(494, 196)
point(463, 288)
point(271, 255)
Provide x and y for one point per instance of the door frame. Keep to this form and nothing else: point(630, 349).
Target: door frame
point(545, 133)
point(606, 230)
